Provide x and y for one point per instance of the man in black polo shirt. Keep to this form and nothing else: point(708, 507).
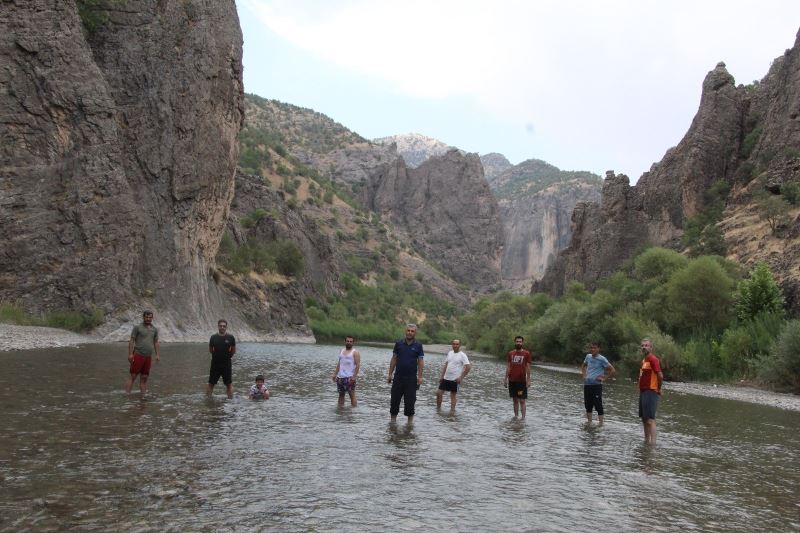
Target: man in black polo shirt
point(405, 373)
point(222, 347)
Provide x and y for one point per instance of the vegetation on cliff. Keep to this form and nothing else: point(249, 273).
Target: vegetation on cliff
point(706, 319)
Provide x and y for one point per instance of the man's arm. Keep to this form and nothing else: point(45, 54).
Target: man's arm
point(392, 364)
point(420, 366)
point(610, 370)
point(660, 376)
point(157, 344)
point(232, 348)
point(130, 349)
point(508, 371)
point(528, 372)
point(357, 359)
point(583, 369)
point(464, 372)
point(444, 369)
point(336, 372)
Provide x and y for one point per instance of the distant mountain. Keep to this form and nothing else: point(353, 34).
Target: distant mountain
point(414, 148)
point(494, 164)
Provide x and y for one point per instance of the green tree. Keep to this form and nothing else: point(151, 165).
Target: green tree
point(758, 294)
point(774, 209)
point(700, 297)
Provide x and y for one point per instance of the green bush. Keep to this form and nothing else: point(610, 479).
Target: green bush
point(759, 294)
point(791, 192)
point(782, 367)
point(750, 141)
point(700, 297)
point(93, 14)
point(742, 345)
point(78, 321)
point(288, 258)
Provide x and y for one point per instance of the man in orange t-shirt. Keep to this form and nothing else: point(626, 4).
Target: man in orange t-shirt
point(518, 375)
point(650, 380)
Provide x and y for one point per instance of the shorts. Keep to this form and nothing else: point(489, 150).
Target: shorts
point(141, 364)
point(593, 398)
point(518, 390)
point(223, 369)
point(648, 403)
point(448, 385)
point(347, 384)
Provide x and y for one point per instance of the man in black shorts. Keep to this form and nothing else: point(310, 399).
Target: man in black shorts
point(222, 347)
point(518, 375)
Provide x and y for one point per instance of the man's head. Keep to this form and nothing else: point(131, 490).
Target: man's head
point(259, 379)
point(594, 348)
point(411, 332)
point(456, 345)
point(222, 325)
point(349, 341)
point(519, 340)
point(147, 317)
point(647, 346)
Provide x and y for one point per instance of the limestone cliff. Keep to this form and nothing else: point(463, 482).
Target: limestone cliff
point(740, 135)
point(414, 148)
point(118, 156)
point(446, 207)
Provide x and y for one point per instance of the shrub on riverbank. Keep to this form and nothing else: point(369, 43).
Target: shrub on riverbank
point(80, 322)
point(380, 312)
point(705, 323)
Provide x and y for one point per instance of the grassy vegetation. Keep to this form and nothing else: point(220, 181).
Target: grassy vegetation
point(281, 256)
point(706, 320)
point(534, 175)
point(379, 313)
point(11, 313)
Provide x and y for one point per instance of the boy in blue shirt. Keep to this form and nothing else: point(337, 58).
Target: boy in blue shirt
point(595, 369)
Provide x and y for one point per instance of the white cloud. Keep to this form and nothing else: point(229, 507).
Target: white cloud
point(615, 77)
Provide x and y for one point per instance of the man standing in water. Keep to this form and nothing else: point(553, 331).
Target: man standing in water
point(650, 380)
point(593, 370)
point(347, 371)
point(455, 369)
point(518, 375)
point(222, 346)
point(141, 345)
point(405, 373)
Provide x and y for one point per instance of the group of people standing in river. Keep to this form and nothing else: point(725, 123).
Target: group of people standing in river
point(406, 371)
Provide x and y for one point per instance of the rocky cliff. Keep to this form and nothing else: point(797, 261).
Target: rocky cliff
point(740, 135)
point(414, 148)
point(118, 156)
point(535, 201)
point(494, 164)
point(447, 209)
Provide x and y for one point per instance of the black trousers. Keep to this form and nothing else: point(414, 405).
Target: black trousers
point(593, 397)
point(406, 389)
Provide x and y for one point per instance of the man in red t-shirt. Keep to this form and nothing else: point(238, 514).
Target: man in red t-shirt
point(518, 375)
point(650, 379)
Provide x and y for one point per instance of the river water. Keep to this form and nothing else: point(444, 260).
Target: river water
point(77, 453)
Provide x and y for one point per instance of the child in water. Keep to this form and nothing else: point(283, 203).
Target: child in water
point(259, 390)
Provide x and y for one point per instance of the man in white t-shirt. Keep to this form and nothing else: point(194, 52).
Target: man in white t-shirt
point(456, 367)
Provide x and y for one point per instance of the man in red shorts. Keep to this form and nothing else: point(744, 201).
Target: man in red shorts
point(141, 346)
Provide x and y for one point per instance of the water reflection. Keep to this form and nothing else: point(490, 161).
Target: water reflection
point(88, 457)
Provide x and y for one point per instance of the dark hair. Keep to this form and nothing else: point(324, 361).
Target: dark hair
point(519, 337)
point(594, 343)
point(147, 312)
point(221, 321)
point(259, 378)
point(349, 337)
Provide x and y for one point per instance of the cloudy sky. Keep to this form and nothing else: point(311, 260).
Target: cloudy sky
point(584, 85)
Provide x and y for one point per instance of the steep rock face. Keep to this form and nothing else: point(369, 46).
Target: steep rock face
point(448, 210)
point(414, 148)
point(118, 156)
point(536, 200)
point(653, 211)
point(494, 164)
point(537, 227)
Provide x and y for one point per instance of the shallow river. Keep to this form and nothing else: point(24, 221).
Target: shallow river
point(77, 453)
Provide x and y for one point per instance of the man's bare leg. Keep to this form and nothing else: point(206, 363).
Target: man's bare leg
point(353, 401)
point(209, 389)
point(589, 416)
point(143, 383)
point(516, 407)
point(453, 401)
point(230, 390)
point(439, 395)
point(129, 383)
point(522, 408)
point(341, 399)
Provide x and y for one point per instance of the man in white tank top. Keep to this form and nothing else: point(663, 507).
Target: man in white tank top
point(347, 371)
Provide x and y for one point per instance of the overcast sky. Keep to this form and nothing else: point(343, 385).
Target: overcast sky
point(584, 85)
